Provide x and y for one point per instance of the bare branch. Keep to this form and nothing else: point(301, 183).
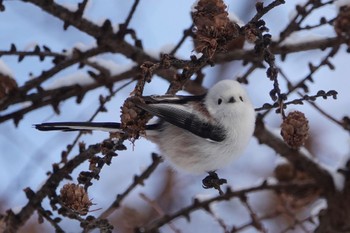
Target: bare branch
point(185, 212)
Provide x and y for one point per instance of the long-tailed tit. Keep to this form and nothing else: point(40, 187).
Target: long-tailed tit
point(195, 133)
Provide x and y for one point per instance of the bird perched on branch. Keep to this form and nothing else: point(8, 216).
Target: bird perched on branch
point(196, 134)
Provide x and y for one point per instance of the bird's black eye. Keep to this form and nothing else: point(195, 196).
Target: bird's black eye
point(219, 101)
point(241, 98)
point(231, 100)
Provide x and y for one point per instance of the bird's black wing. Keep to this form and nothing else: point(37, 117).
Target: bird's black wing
point(172, 99)
point(185, 120)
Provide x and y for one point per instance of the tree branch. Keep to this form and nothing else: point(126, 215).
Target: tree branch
point(185, 212)
point(323, 179)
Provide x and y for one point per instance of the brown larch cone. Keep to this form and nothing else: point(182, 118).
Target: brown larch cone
point(213, 28)
point(342, 22)
point(7, 85)
point(75, 198)
point(295, 129)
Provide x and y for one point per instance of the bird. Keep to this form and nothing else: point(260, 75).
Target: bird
point(194, 133)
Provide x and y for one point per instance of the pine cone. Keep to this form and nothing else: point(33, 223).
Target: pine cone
point(285, 172)
point(132, 119)
point(7, 85)
point(342, 22)
point(75, 198)
point(295, 199)
point(214, 30)
point(295, 129)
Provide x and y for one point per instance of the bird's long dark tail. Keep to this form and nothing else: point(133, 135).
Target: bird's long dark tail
point(76, 126)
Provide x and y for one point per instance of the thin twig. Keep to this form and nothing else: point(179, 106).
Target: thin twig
point(51, 184)
point(159, 210)
point(186, 33)
point(331, 118)
point(256, 223)
point(49, 97)
point(249, 224)
point(302, 14)
point(307, 219)
point(220, 221)
point(261, 12)
point(138, 180)
point(131, 13)
point(185, 212)
point(43, 213)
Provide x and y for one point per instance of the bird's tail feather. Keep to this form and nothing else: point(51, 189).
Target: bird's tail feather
point(76, 126)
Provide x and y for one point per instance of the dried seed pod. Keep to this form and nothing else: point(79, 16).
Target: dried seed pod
point(291, 198)
point(295, 129)
point(342, 22)
point(285, 172)
point(132, 119)
point(7, 85)
point(75, 198)
point(214, 30)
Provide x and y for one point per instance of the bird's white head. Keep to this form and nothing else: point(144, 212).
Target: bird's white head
point(227, 101)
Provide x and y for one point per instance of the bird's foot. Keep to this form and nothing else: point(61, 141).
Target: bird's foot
point(212, 180)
